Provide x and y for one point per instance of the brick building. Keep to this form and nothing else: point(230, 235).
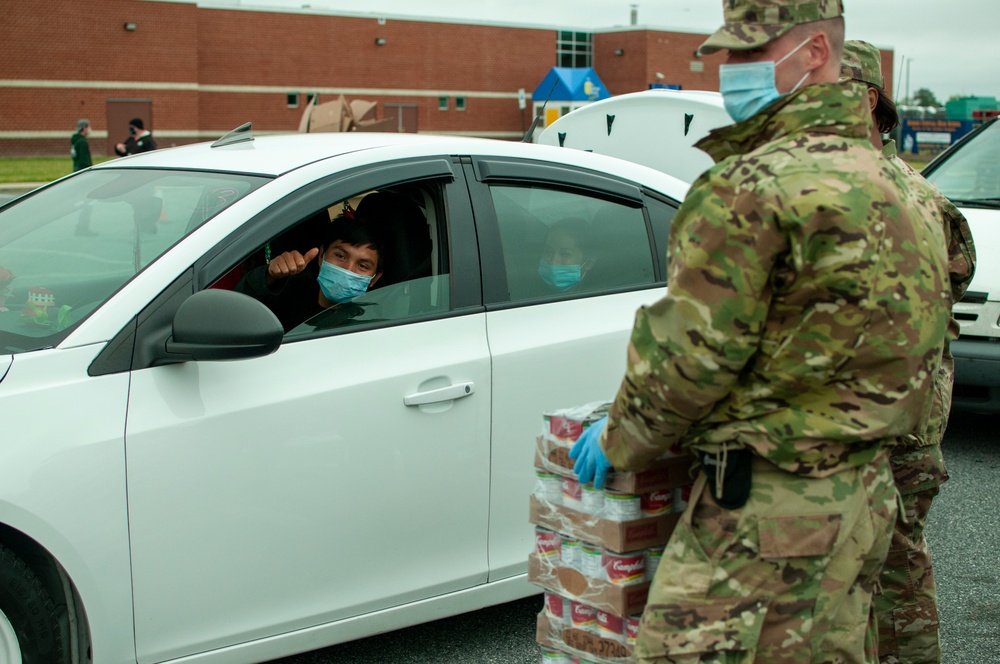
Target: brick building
point(197, 72)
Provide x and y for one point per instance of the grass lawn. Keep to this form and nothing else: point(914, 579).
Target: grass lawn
point(15, 170)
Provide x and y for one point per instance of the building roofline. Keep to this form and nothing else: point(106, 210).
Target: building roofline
point(238, 5)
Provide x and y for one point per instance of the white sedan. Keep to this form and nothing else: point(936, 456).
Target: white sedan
point(181, 480)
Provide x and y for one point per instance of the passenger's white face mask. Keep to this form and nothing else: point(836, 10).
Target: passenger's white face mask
point(749, 87)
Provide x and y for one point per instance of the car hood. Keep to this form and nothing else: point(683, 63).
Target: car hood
point(5, 361)
point(985, 225)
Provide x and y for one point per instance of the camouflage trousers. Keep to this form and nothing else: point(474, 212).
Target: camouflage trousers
point(906, 609)
point(787, 578)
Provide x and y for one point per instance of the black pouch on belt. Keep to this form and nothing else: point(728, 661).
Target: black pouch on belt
point(735, 478)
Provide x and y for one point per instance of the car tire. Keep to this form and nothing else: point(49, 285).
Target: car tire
point(29, 621)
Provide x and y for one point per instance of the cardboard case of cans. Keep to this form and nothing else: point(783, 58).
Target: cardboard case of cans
point(596, 550)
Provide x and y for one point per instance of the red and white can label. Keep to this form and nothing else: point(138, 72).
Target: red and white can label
point(583, 616)
point(655, 503)
point(554, 607)
point(624, 568)
point(610, 625)
point(572, 493)
point(548, 543)
point(632, 629)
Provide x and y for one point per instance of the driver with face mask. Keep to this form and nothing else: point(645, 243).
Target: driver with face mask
point(297, 286)
point(805, 316)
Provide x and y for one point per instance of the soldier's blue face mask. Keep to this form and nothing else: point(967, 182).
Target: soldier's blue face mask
point(560, 276)
point(340, 285)
point(749, 87)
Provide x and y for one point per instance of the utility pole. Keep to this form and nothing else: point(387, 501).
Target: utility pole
point(908, 61)
point(899, 79)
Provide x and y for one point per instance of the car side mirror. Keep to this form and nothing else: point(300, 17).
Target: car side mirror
point(218, 324)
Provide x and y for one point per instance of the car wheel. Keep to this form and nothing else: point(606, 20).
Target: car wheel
point(29, 621)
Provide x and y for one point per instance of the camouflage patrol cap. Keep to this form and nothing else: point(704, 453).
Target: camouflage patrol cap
point(753, 23)
point(862, 62)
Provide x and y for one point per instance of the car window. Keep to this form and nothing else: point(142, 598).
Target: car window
point(565, 243)
point(971, 173)
point(412, 278)
point(66, 249)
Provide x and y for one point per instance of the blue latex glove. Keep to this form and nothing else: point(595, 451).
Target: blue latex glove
point(591, 461)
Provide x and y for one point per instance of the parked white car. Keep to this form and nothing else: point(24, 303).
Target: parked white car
point(969, 174)
point(160, 504)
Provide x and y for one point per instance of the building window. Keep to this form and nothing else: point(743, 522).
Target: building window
point(442, 103)
point(293, 100)
point(459, 103)
point(574, 49)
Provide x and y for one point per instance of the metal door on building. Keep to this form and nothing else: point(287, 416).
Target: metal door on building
point(120, 112)
point(404, 117)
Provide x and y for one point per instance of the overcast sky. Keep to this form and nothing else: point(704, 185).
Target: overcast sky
point(953, 46)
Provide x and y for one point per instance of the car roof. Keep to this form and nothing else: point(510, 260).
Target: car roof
point(274, 155)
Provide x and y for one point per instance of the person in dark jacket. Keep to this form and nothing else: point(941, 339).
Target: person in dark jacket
point(80, 149)
point(139, 140)
point(296, 286)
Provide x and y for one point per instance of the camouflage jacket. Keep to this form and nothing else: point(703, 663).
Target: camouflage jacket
point(807, 299)
point(961, 267)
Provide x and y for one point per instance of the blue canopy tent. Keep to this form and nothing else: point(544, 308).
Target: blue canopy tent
point(566, 89)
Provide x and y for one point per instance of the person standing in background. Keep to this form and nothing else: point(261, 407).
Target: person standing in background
point(906, 609)
point(80, 151)
point(79, 148)
point(139, 140)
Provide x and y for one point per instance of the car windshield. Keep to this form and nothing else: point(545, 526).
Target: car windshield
point(971, 174)
point(69, 247)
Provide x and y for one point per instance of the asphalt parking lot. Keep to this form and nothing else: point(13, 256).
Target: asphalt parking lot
point(964, 534)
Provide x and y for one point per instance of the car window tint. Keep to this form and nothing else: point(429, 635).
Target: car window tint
point(414, 276)
point(66, 249)
point(566, 243)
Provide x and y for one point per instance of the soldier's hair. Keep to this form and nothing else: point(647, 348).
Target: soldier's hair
point(885, 115)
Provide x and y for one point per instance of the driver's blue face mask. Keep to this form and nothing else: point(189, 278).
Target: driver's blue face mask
point(340, 285)
point(749, 87)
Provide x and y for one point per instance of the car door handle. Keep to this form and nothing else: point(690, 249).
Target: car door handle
point(449, 393)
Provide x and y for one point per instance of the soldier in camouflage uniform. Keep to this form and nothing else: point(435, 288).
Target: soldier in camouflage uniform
point(806, 312)
point(906, 610)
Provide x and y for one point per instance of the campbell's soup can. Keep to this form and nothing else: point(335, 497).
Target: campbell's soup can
point(593, 499)
point(621, 506)
point(583, 616)
point(570, 552)
point(555, 607)
point(590, 560)
point(653, 558)
point(610, 626)
point(632, 629)
point(548, 544)
point(548, 487)
point(552, 656)
point(572, 493)
point(624, 568)
point(655, 503)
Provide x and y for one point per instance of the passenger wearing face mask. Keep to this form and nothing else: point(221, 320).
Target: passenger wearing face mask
point(297, 286)
point(805, 317)
point(567, 255)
